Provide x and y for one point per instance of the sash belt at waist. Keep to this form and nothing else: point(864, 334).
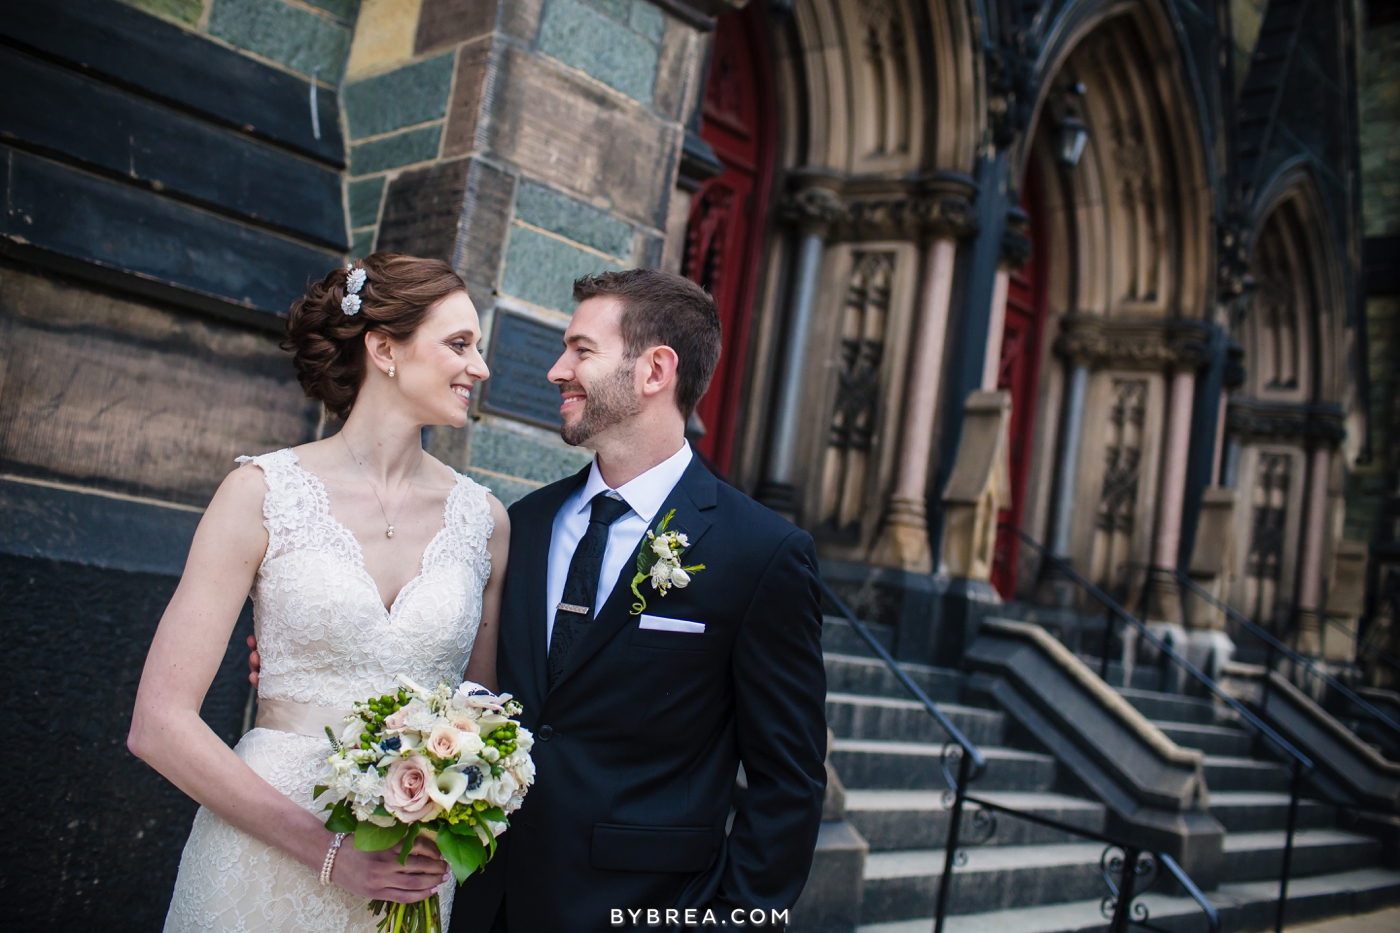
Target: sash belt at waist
point(300, 718)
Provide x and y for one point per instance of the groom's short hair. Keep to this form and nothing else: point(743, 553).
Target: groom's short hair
point(661, 308)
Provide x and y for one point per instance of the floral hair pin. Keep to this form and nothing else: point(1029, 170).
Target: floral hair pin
point(354, 281)
point(659, 559)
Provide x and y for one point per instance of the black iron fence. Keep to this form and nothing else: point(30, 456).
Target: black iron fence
point(1128, 870)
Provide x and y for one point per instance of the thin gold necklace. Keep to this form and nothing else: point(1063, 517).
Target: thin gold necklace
point(389, 531)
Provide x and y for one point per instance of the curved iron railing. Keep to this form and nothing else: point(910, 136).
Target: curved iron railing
point(1128, 870)
point(1301, 765)
point(1276, 646)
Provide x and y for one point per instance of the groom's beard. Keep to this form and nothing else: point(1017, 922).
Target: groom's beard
point(612, 401)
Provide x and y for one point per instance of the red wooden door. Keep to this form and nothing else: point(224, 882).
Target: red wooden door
point(726, 214)
point(1020, 374)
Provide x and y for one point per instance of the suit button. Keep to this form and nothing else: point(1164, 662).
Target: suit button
point(545, 733)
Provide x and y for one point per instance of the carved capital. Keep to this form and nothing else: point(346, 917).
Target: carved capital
point(812, 206)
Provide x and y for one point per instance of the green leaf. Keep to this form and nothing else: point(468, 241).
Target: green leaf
point(465, 854)
point(407, 846)
point(318, 790)
point(494, 814)
point(372, 838)
point(341, 820)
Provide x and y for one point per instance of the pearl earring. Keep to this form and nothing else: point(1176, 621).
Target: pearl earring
point(391, 372)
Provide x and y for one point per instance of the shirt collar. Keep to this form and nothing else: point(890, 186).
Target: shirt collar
point(645, 493)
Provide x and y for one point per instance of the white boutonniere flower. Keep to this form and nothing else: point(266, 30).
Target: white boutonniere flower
point(659, 560)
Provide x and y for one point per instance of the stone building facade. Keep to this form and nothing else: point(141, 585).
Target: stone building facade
point(1092, 269)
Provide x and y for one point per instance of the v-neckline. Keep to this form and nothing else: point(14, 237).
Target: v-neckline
point(358, 549)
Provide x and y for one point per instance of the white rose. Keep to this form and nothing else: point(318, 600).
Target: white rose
point(471, 744)
point(525, 771)
point(490, 754)
point(501, 789)
point(524, 740)
point(679, 578)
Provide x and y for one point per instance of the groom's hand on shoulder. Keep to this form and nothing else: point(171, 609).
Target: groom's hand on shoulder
point(254, 662)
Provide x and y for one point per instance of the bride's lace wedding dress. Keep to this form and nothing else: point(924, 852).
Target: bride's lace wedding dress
point(326, 642)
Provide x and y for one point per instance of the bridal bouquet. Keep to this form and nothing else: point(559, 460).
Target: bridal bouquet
point(449, 765)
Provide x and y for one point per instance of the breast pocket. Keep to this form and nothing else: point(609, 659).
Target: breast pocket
point(672, 641)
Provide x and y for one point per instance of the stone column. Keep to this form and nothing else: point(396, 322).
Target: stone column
point(996, 329)
point(1314, 534)
point(813, 209)
point(1165, 602)
point(903, 542)
point(1069, 458)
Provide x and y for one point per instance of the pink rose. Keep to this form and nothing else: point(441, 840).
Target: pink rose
point(465, 724)
point(445, 742)
point(399, 718)
point(406, 790)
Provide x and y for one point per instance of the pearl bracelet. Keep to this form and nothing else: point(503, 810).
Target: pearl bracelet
point(329, 864)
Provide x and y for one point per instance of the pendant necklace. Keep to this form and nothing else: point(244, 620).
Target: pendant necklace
point(388, 531)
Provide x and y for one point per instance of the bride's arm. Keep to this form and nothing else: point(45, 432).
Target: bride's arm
point(482, 666)
point(168, 733)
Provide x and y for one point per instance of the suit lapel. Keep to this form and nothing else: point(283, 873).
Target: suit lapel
point(540, 532)
point(692, 496)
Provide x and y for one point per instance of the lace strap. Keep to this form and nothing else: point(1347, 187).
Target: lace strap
point(471, 525)
point(283, 501)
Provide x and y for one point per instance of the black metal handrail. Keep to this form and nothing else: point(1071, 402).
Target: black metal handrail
point(1361, 644)
point(1264, 635)
point(1134, 863)
point(1301, 766)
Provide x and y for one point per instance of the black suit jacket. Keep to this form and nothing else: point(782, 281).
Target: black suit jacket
point(638, 744)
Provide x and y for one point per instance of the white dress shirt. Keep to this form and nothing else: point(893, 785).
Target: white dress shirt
point(645, 494)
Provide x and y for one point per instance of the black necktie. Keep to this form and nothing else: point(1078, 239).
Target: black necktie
point(576, 609)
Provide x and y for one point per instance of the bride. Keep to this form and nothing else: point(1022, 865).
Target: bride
point(365, 558)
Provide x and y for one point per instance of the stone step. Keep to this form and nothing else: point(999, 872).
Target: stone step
point(1170, 707)
point(903, 885)
point(918, 819)
point(851, 673)
point(1211, 740)
point(1246, 811)
point(871, 717)
point(838, 636)
point(1246, 906)
point(1230, 773)
point(1259, 856)
point(866, 763)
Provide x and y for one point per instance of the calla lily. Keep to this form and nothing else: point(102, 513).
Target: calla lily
point(447, 789)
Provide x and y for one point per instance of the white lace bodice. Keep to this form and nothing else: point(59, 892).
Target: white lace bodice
point(322, 630)
point(326, 639)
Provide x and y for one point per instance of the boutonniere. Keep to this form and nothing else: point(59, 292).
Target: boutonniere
point(659, 558)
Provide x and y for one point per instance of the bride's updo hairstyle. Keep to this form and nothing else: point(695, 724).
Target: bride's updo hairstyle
point(328, 344)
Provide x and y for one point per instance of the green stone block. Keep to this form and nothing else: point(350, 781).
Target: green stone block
point(341, 9)
point(300, 40)
point(583, 38)
point(567, 217)
point(617, 9)
point(541, 270)
point(516, 454)
point(186, 11)
point(362, 243)
point(364, 197)
point(648, 20)
point(406, 96)
point(393, 151)
point(508, 491)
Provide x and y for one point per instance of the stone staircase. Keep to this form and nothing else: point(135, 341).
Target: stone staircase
point(1031, 879)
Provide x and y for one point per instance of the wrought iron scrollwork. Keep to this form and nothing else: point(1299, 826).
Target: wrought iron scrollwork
point(1145, 874)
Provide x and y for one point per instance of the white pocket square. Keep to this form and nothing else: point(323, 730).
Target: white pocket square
point(663, 624)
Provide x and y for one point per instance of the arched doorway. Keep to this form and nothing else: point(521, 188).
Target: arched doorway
point(726, 216)
point(1019, 373)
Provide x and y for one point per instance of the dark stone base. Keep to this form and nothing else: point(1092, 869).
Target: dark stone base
point(102, 838)
point(962, 604)
point(830, 903)
point(899, 599)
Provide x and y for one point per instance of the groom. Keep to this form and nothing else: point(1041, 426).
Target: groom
point(643, 714)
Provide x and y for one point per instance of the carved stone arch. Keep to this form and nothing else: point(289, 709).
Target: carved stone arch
point(1295, 266)
point(1140, 194)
